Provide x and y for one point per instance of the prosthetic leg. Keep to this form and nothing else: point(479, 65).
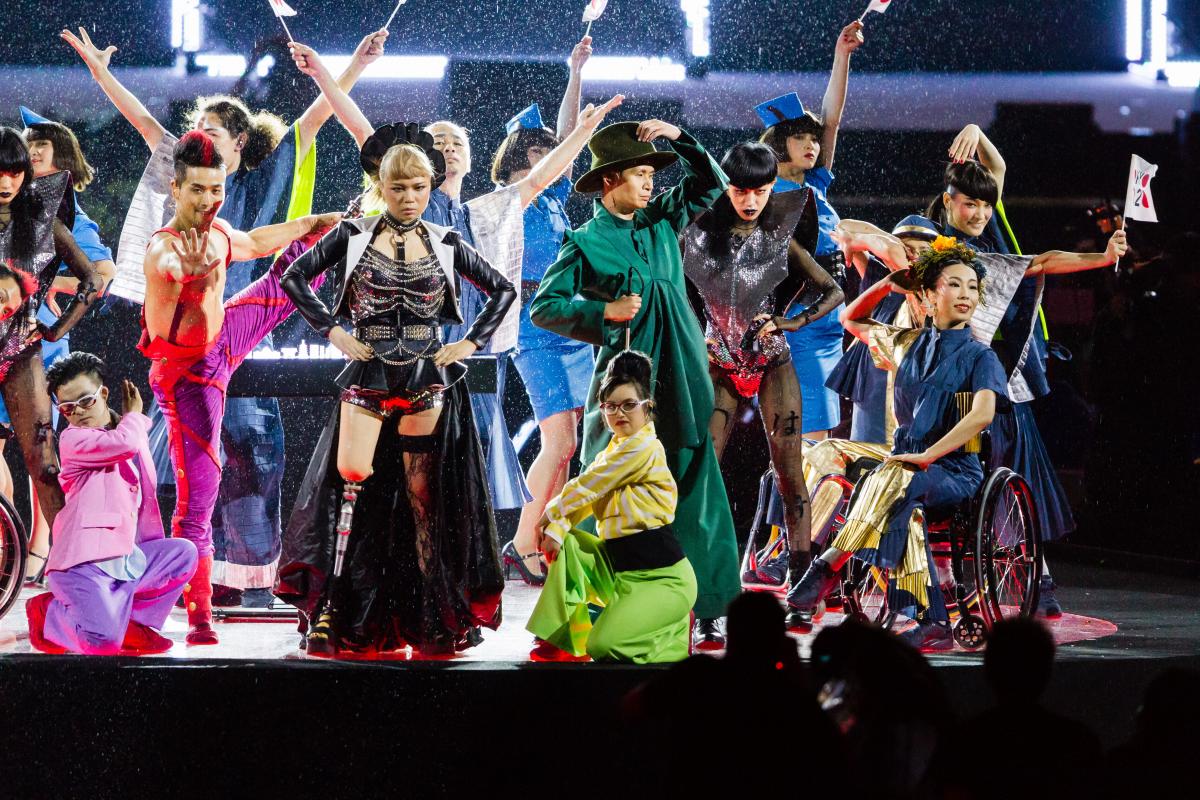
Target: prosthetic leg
point(321, 639)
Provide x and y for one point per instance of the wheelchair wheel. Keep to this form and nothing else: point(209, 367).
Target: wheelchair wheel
point(13, 544)
point(1008, 559)
point(866, 594)
point(830, 502)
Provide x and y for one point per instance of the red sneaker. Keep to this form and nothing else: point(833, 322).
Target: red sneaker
point(197, 599)
point(143, 640)
point(35, 612)
point(544, 651)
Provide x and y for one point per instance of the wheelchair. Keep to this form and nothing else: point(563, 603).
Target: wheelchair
point(14, 548)
point(991, 546)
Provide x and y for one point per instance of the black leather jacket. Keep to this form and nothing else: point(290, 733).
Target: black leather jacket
point(458, 259)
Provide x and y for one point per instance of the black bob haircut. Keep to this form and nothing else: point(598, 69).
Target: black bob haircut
point(750, 165)
point(72, 366)
point(513, 153)
point(777, 135)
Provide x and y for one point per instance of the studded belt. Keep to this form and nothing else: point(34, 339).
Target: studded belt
point(379, 333)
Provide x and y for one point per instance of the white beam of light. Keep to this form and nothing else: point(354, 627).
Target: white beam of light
point(699, 19)
point(632, 68)
point(187, 31)
point(1134, 32)
point(1158, 31)
point(409, 68)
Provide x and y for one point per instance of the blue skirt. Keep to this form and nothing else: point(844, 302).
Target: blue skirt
point(1017, 444)
point(556, 371)
point(816, 349)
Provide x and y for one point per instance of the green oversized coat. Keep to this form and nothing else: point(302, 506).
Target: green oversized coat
point(609, 257)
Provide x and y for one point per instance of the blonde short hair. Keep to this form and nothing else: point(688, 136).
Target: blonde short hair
point(404, 161)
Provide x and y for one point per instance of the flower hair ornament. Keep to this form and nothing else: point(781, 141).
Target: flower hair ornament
point(387, 136)
point(942, 251)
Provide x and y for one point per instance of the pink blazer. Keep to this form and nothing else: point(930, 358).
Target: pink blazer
point(101, 517)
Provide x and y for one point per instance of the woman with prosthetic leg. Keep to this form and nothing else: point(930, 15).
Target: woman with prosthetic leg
point(745, 260)
point(415, 560)
point(947, 389)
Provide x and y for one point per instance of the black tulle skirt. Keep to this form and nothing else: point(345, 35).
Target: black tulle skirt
point(383, 599)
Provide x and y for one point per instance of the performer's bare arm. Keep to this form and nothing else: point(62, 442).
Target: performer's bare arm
point(1059, 262)
point(249, 245)
point(856, 317)
point(340, 104)
point(859, 238)
point(131, 108)
point(548, 170)
point(834, 101)
point(568, 110)
point(317, 114)
point(972, 142)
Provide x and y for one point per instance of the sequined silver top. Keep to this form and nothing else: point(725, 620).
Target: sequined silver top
point(402, 290)
point(737, 277)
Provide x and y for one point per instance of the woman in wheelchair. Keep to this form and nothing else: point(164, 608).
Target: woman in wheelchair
point(947, 389)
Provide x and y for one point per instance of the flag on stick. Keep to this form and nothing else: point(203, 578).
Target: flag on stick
point(394, 12)
point(876, 5)
point(1139, 203)
point(592, 12)
point(281, 10)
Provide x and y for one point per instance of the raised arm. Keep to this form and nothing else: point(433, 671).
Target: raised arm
point(558, 160)
point(869, 239)
point(131, 108)
point(834, 101)
point(249, 245)
point(316, 115)
point(568, 110)
point(856, 317)
point(1059, 262)
point(99, 447)
point(703, 179)
point(338, 101)
point(972, 142)
point(89, 283)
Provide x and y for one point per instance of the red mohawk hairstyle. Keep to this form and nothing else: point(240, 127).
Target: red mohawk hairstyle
point(195, 149)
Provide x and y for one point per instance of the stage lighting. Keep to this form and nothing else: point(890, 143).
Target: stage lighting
point(409, 68)
point(187, 26)
point(633, 68)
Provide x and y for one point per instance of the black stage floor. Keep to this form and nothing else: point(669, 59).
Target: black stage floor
point(253, 717)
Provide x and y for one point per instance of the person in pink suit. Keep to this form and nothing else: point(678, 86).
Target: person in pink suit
point(113, 576)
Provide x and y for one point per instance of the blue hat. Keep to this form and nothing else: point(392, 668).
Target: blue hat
point(914, 226)
point(28, 117)
point(530, 118)
point(781, 109)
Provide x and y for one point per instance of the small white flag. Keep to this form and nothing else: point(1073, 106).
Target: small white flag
point(877, 5)
point(1139, 203)
point(281, 8)
point(594, 9)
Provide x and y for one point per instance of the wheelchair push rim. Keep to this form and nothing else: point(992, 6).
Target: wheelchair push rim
point(13, 553)
point(1008, 559)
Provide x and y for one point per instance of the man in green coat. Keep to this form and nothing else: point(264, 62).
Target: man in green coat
point(618, 282)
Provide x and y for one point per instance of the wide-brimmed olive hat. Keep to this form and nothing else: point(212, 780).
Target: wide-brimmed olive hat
point(615, 148)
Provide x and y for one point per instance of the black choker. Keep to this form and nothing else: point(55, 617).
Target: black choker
point(398, 226)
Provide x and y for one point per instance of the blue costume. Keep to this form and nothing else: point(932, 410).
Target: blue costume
point(1016, 441)
point(931, 368)
point(556, 371)
point(505, 477)
point(817, 346)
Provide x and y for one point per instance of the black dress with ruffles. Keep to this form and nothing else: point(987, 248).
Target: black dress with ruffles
point(384, 599)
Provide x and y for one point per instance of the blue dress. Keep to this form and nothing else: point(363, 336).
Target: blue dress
point(87, 236)
point(817, 347)
point(1016, 441)
point(933, 367)
point(556, 370)
point(505, 478)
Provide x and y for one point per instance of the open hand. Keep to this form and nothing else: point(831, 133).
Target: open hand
point(455, 351)
point(591, 116)
point(192, 249)
point(580, 54)
point(918, 460)
point(370, 48)
point(651, 129)
point(965, 146)
point(131, 398)
point(353, 349)
point(624, 309)
point(96, 59)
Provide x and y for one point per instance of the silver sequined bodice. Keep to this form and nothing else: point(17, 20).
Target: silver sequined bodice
point(412, 290)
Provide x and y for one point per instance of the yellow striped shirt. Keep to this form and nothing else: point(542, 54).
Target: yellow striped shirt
point(628, 488)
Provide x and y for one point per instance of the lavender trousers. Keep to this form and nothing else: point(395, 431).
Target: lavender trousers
point(90, 610)
point(189, 384)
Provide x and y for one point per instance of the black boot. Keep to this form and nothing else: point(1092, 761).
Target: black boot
point(805, 595)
